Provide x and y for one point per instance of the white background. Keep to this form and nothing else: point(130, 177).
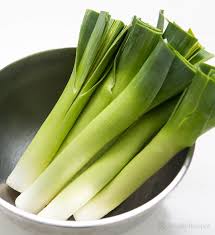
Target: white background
point(28, 26)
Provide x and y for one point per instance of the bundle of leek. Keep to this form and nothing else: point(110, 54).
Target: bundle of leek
point(131, 103)
point(126, 116)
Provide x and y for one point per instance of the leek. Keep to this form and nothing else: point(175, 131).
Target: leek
point(87, 185)
point(118, 116)
point(100, 36)
point(190, 119)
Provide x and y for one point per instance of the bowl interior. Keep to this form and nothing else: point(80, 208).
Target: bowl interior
point(28, 90)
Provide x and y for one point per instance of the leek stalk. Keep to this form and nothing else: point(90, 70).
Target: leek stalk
point(99, 40)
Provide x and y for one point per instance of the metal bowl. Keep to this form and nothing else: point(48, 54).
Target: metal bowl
point(28, 90)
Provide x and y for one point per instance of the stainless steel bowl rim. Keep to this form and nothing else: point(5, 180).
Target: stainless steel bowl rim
point(106, 221)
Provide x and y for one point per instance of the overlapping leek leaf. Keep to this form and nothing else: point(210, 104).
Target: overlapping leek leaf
point(192, 54)
point(100, 37)
point(136, 48)
point(184, 42)
point(201, 56)
point(206, 68)
point(88, 184)
point(210, 71)
point(179, 77)
point(190, 119)
point(132, 102)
